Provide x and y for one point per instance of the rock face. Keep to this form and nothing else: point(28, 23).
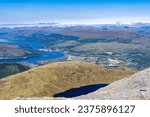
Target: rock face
point(137, 87)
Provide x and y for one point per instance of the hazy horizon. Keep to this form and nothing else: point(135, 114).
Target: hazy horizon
point(74, 12)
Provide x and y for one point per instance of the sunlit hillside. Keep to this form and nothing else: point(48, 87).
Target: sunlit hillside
point(56, 77)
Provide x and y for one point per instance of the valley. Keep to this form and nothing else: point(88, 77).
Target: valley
point(106, 45)
point(53, 61)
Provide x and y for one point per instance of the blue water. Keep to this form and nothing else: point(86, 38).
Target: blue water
point(3, 40)
point(33, 46)
point(80, 91)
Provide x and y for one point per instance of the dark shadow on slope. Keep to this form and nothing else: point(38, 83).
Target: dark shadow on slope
point(74, 92)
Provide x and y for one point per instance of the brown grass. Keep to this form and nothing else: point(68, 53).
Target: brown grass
point(56, 77)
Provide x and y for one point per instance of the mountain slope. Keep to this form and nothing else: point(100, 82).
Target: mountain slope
point(135, 87)
point(57, 77)
point(7, 69)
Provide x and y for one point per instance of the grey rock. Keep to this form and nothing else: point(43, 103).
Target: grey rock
point(136, 87)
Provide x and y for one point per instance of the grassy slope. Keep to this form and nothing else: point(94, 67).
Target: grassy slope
point(7, 69)
point(56, 77)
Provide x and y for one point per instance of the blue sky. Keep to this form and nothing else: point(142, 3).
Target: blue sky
point(74, 11)
point(74, 1)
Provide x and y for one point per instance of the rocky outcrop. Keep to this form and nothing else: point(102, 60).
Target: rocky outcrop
point(137, 87)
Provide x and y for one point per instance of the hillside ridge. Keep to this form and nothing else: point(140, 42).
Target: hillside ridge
point(57, 77)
